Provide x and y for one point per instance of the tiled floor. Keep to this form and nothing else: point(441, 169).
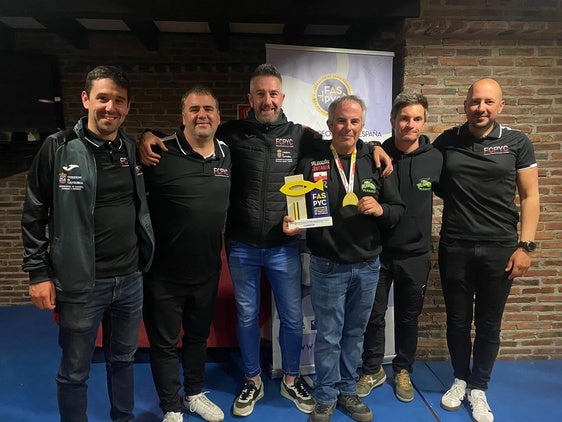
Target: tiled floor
point(520, 391)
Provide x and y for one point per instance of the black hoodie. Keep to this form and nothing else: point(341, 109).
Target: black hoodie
point(417, 172)
point(354, 237)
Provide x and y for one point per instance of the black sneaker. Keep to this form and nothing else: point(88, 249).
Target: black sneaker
point(244, 403)
point(298, 394)
point(353, 405)
point(322, 412)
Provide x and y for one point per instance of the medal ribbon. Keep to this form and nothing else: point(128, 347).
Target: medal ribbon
point(348, 186)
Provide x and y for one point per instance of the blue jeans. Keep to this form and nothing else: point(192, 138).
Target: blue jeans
point(342, 296)
point(116, 302)
point(282, 267)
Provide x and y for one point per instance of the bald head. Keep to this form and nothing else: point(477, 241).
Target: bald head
point(484, 102)
point(488, 84)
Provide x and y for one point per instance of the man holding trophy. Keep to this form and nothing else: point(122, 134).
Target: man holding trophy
point(344, 263)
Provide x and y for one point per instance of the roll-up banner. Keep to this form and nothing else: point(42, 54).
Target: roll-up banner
point(313, 77)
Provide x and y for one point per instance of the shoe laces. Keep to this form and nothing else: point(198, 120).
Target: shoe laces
point(299, 389)
point(364, 380)
point(353, 400)
point(322, 408)
point(248, 390)
point(199, 399)
point(173, 417)
point(403, 378)
point(478, 402)
point(457, 391)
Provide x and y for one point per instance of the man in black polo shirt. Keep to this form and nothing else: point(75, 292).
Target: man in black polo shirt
point(85, 185)
point(479, 254)
point(188, 197)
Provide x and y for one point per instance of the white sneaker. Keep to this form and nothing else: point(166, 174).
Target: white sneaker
point(204, 407)
point(173, 417)
point(481, 412)
point(453, 398)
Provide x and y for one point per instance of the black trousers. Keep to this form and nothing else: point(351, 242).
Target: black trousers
point(409, 274)
point(475, 285)
point(168, 306)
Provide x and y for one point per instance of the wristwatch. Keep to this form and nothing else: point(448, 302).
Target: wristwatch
point(527, 246)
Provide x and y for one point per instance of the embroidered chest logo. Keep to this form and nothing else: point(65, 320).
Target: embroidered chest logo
point(368, 186)
point(424, 185)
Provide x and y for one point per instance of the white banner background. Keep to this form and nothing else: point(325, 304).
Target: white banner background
point(314, 77)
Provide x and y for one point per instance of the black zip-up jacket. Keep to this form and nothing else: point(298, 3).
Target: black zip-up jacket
point(418, 173)
point(61, 194)
point(262, 155)
point(356, 237)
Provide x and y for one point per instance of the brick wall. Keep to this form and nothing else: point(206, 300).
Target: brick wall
point(517, 43)
point(441, 53)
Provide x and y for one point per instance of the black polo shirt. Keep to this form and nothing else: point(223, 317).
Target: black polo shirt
point(478, 182)
point(188, 198)
point(115, 210)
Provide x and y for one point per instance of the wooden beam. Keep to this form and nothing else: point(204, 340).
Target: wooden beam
point(293, 33)
point(146, 31)
point(68, 29)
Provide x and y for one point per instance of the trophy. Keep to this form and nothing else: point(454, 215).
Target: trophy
point(297, 190)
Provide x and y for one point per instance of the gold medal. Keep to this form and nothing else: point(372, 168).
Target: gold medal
point(350, 199)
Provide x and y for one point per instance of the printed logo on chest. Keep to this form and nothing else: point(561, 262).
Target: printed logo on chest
point(498, 149)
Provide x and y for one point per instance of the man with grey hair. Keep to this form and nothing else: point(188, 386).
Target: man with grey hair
point(344, 265)
point(405, 260)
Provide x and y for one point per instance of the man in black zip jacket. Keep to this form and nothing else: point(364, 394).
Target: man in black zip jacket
point(344, 264)
point(406, 248)
point(86, 186)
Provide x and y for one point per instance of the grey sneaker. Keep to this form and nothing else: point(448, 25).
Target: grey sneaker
point(322, 412)
point(298, 394)
point(369, 381)
point(403, 386)
point(481, 412)
point(204, 407)
point(173, 417)
point(244, 403)
point(454, 396)
point(355, 407)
